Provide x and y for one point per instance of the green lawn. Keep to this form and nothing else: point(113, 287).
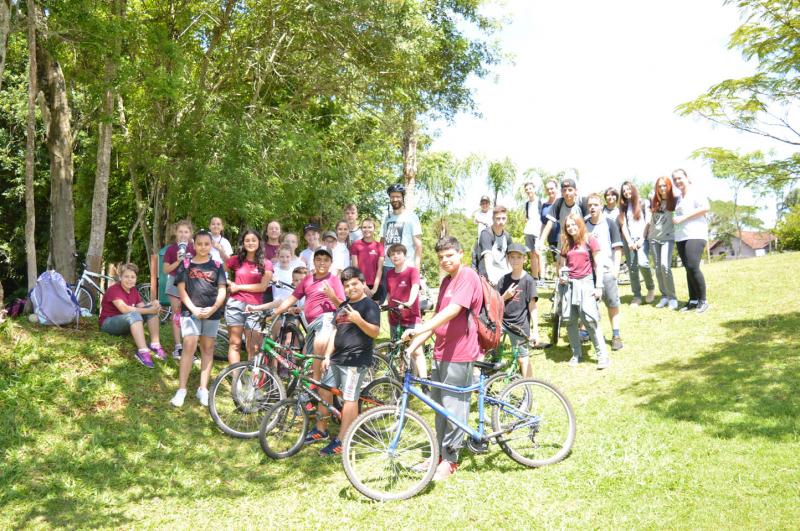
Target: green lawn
point(695, 425)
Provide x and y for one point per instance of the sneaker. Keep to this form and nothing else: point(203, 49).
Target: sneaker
point(573, 361)
point(584, 336)
point(202, 396)
point(315, 436)
point(179, 397)
point(651, 296)
point(636, 301)
point(663, 302)
point(159, 352)
point(143, 357)
point(176, 352)
point(702, 307)
point(603, 363)
point(444, 470)
point(616, 343)
point(334, 448)
point(424, 466)
point(691, 305)
point(673, 304)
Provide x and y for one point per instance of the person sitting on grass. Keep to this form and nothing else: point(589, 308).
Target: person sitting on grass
point(519, 293)
point(123, 312)
point(348, 356)
point(201, 284)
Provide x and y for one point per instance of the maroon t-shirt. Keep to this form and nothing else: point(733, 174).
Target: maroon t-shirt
point(247, 273)
point(317, 302)
point(579, 259)
point(370, 257)
point(457, 339)
point(117, 293)
point(399, 287)
point(270, 250)
point(171, 255)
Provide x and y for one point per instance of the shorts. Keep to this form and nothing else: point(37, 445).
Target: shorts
point(235, 315)
point(192, 326)
point(347, 379)
point(120, 325)
point(610, 291)
point(321, 327)
point(172, 288)
point(530, 242)
point(520, 343)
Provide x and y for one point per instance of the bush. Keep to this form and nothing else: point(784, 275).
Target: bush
point(788, 230)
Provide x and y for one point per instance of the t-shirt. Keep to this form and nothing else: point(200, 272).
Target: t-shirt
point(635, 227)
point(661, 227)
point(484, 219)
point(607, 234)
point(117, 293)
point(400, 229)
point(202, 282)
point(341, 257)
point(492, 252)
point(369, 258)
point(533, 222)
point(247, 273)
point(399, 287)
point(517, 311)
point(171, 255)
point(552, 238)
point(284, 275)
point(579, 259)
point(270, 250)
point(695, 228)
point(354, 235)
point(351, 346)
point(565, 210)
point(457, 339)
point(307, 256)
point(612, 213)
point(317, 302)
point(226, 246)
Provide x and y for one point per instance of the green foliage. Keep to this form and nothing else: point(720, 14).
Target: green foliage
point(726, 219)
point(788, 230)
point(500, 176)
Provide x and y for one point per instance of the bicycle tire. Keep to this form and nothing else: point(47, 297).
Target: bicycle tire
point(366, 457)
point(547, 440)
point(297, 341)
point(221, 344)
point(283, 429)
point(85, 300)
point(497, 383)
point(383, 391)
point(385, 366)
point(239, 397)
point(380, 368)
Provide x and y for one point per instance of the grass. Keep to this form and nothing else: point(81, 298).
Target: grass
point(695, 425)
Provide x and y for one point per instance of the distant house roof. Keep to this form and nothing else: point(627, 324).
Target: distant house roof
point(754, 240)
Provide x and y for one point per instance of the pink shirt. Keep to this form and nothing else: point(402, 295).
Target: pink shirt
point(317, 302)
point(457, 339)
point(399, 287)
point(370, 257)
point(579, 260)
point(247, 273)
point(117, 293)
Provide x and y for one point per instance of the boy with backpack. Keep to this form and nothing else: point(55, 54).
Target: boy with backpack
point(519, 293)
point(569, 202)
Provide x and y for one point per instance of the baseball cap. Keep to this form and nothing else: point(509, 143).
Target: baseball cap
point(329, 234)
point(311, 226)
point(568, 182)
point(485, 198)
point(516, 248)
point(323, 250)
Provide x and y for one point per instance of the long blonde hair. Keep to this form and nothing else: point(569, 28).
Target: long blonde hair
point(567, 242)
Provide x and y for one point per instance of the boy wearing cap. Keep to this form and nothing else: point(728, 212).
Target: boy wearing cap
point(483, 216)
point(519, 293)
point(311, 233)
point(568, 203)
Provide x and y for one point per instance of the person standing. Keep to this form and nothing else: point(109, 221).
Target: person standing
point(569, 203)
point(533, 227)
point(662, 240)
point(611, 208)
point(354, 231)
point(551, 188)
point(272, 239)
point(366, 254)
point(311, 233)
point(483, 216)
point(401, 226)
point(492, 246)
point(519, 293)
point(634, 216)
point(691, 235)
point(221, 248)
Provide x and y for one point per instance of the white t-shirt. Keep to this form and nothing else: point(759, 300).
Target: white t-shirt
point(284, 275)
point(226, 246)
point(307, 256)
point(635, 227)
point(533, 225)
point(695, 228)
point(341, 257)
point(400, 229)
point(484, 220)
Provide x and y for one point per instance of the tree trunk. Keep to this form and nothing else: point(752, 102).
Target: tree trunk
point(410, 137)
point(5, 30)
point(30, 147)
point(59, 147)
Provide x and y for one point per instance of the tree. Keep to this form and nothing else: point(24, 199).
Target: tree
point(759, 104)
point(788, 230)
point(30, 147)
point(727, 220)
point(500, 176)
point(5, 30)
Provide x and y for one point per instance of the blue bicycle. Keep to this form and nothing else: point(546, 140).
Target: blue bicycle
point(391, 452)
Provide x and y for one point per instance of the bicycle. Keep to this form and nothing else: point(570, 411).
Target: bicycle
point(390, 452)
point(388, 359)
point(84, 297)
point(506, 369)
point(165, 312)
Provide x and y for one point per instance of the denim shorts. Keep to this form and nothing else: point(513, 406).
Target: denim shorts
point(520, 343)
point(610, 291)
point(120, 325)
point(347, 379)
point(235, 315)
point(193, 326)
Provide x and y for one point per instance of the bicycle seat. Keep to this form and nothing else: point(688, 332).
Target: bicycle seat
point(492, 367)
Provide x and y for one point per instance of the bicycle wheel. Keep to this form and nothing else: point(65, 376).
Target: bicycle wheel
point(498, 382)
point(538, 422)
point(290, 335)
point(283, 429)
point(379, 392)
point(221, 344)
point(383, 474)
point(85, 300)
point(240, 396)
point(383, 362)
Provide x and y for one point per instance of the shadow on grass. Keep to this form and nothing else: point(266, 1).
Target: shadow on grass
point(747, 386)
point(87, 436)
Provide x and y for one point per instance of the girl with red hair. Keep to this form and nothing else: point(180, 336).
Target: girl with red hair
point(662, 240)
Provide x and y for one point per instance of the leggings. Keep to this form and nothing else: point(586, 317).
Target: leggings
point(691, 251)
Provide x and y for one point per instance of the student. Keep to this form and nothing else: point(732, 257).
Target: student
point(311, 233)
point(348, 357)
point(492, 246)
point(341, 251)
point(173, 257)
point(662, 240)
point(291, 239)
point(366, 254)
point(353, 230)
point(402, 226)
point(569, 203)
point(551, 188)
point(533, 227)
point(606, 231)
point(221, 248)
point(455, 349)
point(282, 270)
point(251, 274)
point(519, 293)
point(634, 216)
point(581, 254)
point(611, 208)
point(272, 239)
point(483, 216)
point(201, 285)
point(281, 294)
point(122, 312)
point(691, 235)
point(403, 286)
point(323, 293)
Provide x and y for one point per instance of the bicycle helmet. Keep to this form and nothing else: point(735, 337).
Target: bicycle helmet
point(396, 187)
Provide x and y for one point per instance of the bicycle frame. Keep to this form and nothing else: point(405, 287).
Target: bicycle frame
point(86, 277)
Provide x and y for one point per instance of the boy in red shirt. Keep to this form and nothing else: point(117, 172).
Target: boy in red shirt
point(402, 285)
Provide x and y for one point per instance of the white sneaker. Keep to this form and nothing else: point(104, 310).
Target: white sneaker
point(202, 396)
point(179, 397)
point(663, 302)
point(673, 304)
point(573, 361)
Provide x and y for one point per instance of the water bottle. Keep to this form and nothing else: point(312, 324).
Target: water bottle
point(182, 250)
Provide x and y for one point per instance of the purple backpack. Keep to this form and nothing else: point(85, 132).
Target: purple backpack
point(53, 302)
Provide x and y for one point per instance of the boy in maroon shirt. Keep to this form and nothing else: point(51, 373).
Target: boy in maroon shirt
point(402, 285)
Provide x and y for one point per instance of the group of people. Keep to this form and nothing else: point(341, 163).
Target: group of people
point(338, 281)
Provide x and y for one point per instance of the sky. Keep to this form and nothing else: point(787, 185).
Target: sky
point(594, 85)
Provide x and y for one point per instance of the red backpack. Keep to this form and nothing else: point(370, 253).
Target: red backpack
point(490, 319)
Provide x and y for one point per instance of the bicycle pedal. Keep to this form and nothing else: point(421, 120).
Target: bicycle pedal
point(477, 447)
